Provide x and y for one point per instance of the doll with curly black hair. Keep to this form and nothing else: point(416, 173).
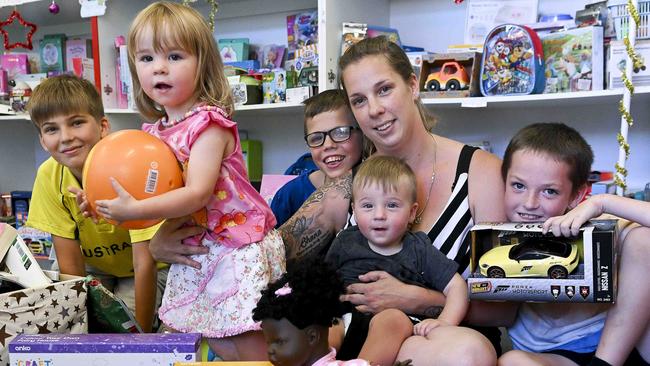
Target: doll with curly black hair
point(296, 312)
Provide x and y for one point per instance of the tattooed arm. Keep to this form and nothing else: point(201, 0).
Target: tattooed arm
point(313, 227)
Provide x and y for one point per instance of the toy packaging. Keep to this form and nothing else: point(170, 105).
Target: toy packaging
point(77, 48)
point(225, 363)
point(52, 51)
point(454, 75)
point(233, 49)
point(515, 261)
point(574, 60)
point(104, 349)
point(274, 86)
point(352, 33)
point(512, 62)
point(15, 63)
point(302, 29)
point(272, 56)
point(616, 59)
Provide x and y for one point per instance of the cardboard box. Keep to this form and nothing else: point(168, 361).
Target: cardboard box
point(15, 63)
point(574, 60)
point(104, 349)
point(77, 48)
point(225, 363)
point(471, 61)
point(252, 152)
point(593, 279)
point(233, 49)
point(52, 51)
point(299, 94)
point(616, 58)
point(274, 86)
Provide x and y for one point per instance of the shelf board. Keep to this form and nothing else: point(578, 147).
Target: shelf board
point(288, 107)
point(14, 117)
point(539, 100)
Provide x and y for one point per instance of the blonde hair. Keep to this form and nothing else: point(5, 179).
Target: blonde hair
point(388, 172)
point(64, 95)
point(397, 60)
point(176, 25)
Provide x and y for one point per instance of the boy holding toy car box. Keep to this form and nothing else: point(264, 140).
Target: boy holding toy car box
point(568, 334)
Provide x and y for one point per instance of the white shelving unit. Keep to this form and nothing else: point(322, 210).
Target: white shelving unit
point(428, 23)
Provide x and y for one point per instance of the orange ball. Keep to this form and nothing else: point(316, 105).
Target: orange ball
point(144, 165)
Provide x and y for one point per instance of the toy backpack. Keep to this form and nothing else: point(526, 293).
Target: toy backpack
point(513, 62)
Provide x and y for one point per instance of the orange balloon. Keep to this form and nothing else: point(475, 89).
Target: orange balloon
point(144, 165)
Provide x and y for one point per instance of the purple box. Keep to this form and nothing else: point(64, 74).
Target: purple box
point(112, 349)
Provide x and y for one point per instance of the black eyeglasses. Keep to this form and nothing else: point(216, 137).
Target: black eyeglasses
point(338, 134)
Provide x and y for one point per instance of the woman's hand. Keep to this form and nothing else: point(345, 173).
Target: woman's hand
point(166, 245)
point(377, 291)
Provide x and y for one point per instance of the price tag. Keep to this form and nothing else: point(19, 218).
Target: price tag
point(474, 103)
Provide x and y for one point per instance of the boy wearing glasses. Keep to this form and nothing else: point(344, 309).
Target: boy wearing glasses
point(335, 144)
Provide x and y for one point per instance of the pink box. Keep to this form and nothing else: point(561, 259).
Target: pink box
point(4, 84)
point(15, 63)
point(77, 48)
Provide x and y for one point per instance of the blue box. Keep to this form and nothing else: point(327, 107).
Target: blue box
point(104, 349)
point(247, 65)
point(233, 49)
point(20, 206)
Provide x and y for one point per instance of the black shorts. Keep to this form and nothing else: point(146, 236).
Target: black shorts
point(356, 335)
point(582, 359)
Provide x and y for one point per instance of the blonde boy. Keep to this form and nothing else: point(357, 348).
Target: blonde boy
point(69, 116)
point(384, 204)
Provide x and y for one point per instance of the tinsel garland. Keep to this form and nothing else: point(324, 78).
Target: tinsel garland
point(214, 7)
point(636, 63)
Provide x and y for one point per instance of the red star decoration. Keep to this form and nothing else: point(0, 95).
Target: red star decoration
point(16, 15)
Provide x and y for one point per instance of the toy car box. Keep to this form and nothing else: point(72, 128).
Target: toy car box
point(452, 84)
point(104, 349)
point(515, 261)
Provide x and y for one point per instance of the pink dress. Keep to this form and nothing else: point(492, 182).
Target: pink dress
point(330, 360)
point(245, 252)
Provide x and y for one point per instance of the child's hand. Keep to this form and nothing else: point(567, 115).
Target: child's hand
point(569, 224)
point(427, 325)
point(82, 202)
point(118, 209)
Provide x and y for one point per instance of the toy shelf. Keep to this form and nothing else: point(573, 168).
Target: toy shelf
point(573, 99)
point(288, 107)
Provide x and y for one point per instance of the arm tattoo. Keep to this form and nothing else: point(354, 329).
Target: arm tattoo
point(433, 312)
point(303, 234)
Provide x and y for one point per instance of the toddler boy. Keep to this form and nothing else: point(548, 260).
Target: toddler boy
point(384, 205)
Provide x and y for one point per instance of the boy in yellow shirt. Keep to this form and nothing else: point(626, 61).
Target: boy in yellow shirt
point(69, 116)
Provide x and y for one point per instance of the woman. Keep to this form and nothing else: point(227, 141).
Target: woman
point(457, 186)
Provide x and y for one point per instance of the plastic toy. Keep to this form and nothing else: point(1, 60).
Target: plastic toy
point(452, 76)
point(533, 257)
point(144, 165)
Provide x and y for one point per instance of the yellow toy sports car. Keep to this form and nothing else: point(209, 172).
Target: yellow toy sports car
point(533, 257)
